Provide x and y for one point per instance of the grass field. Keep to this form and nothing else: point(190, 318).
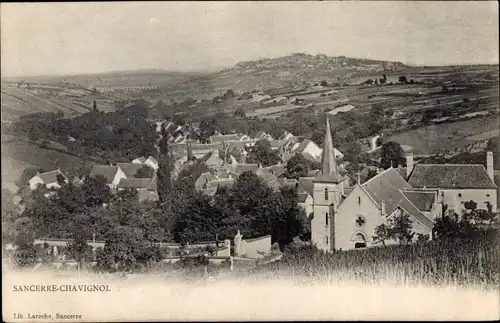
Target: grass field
point(16, 156)
point(446, 136)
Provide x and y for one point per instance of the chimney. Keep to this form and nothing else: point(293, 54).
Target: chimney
point(382, 208)
point(489, 165)
point(409, 164)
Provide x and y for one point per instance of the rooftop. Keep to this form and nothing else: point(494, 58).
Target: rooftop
point(108, 172)
point(455, 176)
point(50, 177)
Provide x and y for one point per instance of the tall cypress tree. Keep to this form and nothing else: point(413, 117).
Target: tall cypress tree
point(94, 106)
point(165, 168)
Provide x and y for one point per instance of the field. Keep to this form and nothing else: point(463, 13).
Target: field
point(444, 137)
point(69, 100)
point(16, 156)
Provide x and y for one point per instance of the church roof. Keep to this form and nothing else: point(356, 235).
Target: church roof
point(389, 187)
point(384, 187)
point(454, 176)
point(329, 169)
point(422, 200)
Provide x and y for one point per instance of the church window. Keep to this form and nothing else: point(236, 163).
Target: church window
point(359, 200)
point(326, 239)
point(326, 218)
point(487, 195)
point(326, 194)
point(459, 194)
point(360, 220)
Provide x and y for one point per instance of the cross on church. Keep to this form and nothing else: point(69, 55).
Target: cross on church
point(360, 221)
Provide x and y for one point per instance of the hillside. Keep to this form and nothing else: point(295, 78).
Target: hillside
point(132, 78)
point(283, 71)
point(20, 99)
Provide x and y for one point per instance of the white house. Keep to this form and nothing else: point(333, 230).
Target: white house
point(456, 183)
point(49, 179)
point(112, 174)
point(310, 150)
point(306, 202)
point(150, 161)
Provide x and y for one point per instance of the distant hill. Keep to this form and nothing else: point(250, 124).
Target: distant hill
point(143, 77)
point(286, 70)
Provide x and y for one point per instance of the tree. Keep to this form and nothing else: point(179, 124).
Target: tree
point(398, 228)
point(371, 173)
point(239, 113)
point(96, 191)
point(165, 169)
point(145, 172)
point(126, 248)
point(229, 94)
point(297, 166)
point(264, 154)
point(402, 79)
point(94, 106)
point(78, 248)
point(24, 231)
point(324, 83)
point(391, 154)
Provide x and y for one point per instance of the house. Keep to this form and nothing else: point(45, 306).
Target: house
point(269, 179)
point(311, 151)
point(150, 161)
point(139, 160)
point(306, 203)
point(211, 159)
point(456, 183)
point(262, 135)
point(48, 179)
point(342, 108)
point(129, 169)
point(223, 138)
point(286, 136)
point(202, 181)
point(345, 218)
point(146, 187)
point(211, 187)
point(275, 170)
point(112, 174)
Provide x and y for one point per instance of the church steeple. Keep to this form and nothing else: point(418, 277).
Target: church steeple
point(329, 164)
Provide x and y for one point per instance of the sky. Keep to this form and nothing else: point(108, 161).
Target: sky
point(92, 37)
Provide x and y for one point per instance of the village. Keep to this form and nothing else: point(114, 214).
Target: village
point(343, 214)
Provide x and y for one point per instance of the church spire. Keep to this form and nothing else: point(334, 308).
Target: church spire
point(329, 164)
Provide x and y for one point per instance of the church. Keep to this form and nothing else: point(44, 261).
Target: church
point(346, 217)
